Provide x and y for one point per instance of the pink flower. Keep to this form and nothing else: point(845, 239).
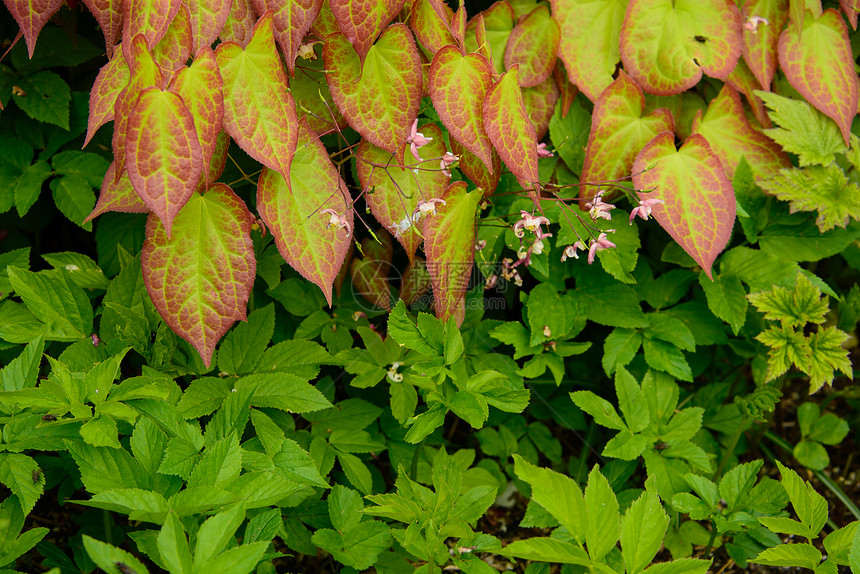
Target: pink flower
point(643, 210)
point(336, 219)
point(416, 140)
point(530, 223)
point(599, 209)
point(426, 208)
point(598, 244)
point(752, 24)
point(542, 151)
point(571, 251)
point(446, 162)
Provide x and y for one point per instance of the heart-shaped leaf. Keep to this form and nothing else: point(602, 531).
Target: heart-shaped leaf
point(112, 79)
point(760, 43)
point(430, 22)
point(31, 16)
point(397, 183)
point(458, 85)
point(239, 25)
point(291, 19)
point(818, 64)
point(108, 13)
point(147, 17)
point(174, 48)
point(731, 137)
point(666, 45)
point(450, 247)
point(165, 160)
point(200, 278)
point(379, 100)
point(362, 21)
point(698, 208)
point(533, 45)
point(199, 86)
point(509, 128)
point(207, 19)
point(589, 41)
point(619, 132)
point(259, 112)
point(292, 212)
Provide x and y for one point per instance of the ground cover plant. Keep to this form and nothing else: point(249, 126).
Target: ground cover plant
point(408, 286)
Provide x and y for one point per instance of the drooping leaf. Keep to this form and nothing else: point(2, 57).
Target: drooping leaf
point(112, 78)
point(117, 196)
point(207, 19)
point(731, 137)
point(150, 18)
point(619, 131)
point(291, 210)
point(760, 44)
point(362, 21)
point(826, 190)
point(495, 23)
point(540, 106)
point(28, 187)
point(473, 167)
point(458, 85)
point(818, 63)
point(430, 22)
point(380, 98)
point(699, 202)
point(201, 277)
point(589, 41)
point(74, 197)
point(509, 128)
point(533, 45)
point(397, 190)
point(450, 247)
point(666, 46)
point(174, 48)
point(165, 160)
point(291, 20)
point(259, 112)
point(743, 81)
point(31, 16)
point(199, 86)
point(108, 13)
point(239, 25)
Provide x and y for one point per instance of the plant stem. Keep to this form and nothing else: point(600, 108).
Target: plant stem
point(826, 480)
point(106, 521)
point(711, 539)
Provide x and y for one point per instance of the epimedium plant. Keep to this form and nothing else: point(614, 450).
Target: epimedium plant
point(130, 389)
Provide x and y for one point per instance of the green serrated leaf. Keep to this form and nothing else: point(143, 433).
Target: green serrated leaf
point(45, 97)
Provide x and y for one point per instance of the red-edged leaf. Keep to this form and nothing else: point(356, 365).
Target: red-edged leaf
point(112, 79)
point(292, 19)
point(207, 19)
point(174, 48)
point(450, 247)
point(362, 21)
point(117, 196)
point(567, 91)
point(200, 277)
point(394, 191)
point(259, 112)
point(662, 48)
point(31, 16)
point(165, 161)
point(458, 85)
point(148, 17)
point(619, 132)
point(370, 273)
point(699, 202)
point(540, 103)
point(533, 45)
point(498, 21)
point(144, 73)
point(239, 25)
point(473, 168)
point(589, 41)
point(760, 45)
point(851, 9)
point(200, 89)
point(459, 21)
point(429, 21)
point(818, 64)
point(307, 86)
point(731, 137)
point(743, 80)
point(509, 128)
point(217, 163)
point(291, 211)
point(108, 13)
point(380, 101)
point(415, 282)
point(325, 24)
